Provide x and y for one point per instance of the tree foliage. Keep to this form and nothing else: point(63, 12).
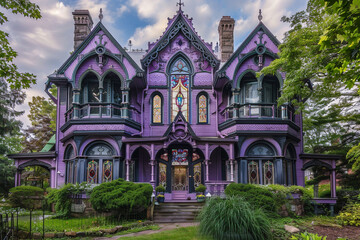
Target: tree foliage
point(320, 56)
point(8, 69)
point(43, 124)
point(9, 133)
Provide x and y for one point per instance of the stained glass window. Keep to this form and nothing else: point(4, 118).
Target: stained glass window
point(92, 171)
point(253, 172)
point(179, 89)
point(157, 109)
point(268, 172)
point(107, 170)
point(203, 109)
point(162, 174)
point(179, 156)
point(197, 175)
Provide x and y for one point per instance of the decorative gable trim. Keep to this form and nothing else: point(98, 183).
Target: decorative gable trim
point(90, 37)
point(180, 24)
point(236, 54)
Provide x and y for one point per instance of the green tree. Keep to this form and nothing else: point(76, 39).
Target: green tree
point(322, 46)
point(8, 69)
point(43, 124)
point(9, 133)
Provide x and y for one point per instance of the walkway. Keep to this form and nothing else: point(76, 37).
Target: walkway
point(163, 227)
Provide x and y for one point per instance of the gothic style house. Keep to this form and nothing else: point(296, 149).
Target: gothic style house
point(181, 114)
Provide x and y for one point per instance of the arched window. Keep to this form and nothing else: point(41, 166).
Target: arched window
point(71, 168)
point(99, 156)
point(202, 109)
point(180, 75)
point(157, 109)
point(260, 164)
point(90, 89)
point(249, 89)
point(111, 89)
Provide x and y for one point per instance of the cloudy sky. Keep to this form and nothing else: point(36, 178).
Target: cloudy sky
point(43, 45)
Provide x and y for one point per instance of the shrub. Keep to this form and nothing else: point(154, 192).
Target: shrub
point(350, 215)
point(160, 188)
point(201, 188)
point(27, 197)
point(344, 196)
point(63, 197)
point(121, 196)
point(259, 197)
point(233, 218)
point(307, 236)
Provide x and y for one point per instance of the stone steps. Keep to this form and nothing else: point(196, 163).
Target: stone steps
point(174, 212)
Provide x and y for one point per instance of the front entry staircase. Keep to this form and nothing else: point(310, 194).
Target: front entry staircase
point(176, 212)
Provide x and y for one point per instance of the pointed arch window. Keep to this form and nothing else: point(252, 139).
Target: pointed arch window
point(180, 75)
point(157, 109)
point(202, 109)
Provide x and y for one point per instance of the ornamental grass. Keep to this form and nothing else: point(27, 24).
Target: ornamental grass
point(233, 219)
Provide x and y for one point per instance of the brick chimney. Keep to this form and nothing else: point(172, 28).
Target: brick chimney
point(83, 24)
point(226, 37)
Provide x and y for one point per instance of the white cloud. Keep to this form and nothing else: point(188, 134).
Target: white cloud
point(121, 10)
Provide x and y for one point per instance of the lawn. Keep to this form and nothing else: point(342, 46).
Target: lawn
point(185, 233)
point(73, 224)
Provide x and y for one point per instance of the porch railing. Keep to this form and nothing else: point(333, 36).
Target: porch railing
point(101, 110)
point(259, 110)
point(217, 188)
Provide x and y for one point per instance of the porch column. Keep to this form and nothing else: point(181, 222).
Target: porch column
point(231, 161)
point(333, 183)
point(52, 177)
point(206, 170)
point(127, 164)
point(152, 163)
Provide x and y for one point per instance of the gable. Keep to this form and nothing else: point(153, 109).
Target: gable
point(99, 39)
point(180, 24)
point(260, 42)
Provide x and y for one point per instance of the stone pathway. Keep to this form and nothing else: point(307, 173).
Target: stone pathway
point(163, 227)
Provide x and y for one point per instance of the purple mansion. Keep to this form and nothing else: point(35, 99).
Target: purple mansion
point(181, 114)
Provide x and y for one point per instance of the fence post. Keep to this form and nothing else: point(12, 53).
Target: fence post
point(43, 208)
point(1, 226)
point(30, 223)
point(17, 222)
point(12, 225)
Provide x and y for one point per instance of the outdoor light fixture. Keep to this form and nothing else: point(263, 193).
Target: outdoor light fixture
point(61, 175)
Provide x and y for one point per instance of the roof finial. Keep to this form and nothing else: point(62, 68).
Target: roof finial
point(101, 16)
point(179, 4)
point(260, 17)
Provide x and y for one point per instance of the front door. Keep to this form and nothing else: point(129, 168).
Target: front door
point(180, 178)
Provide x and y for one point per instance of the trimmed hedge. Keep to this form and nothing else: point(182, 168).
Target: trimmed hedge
point(27, 197)
point(121, 196)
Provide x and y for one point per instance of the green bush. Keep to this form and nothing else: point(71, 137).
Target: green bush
point(350, 215)
point(344, 196)
point(233, 218)
point(201, 188)
point(160, 189)
point(258, 196)
point(63, 197)
point(307, 236)
point(269, 197)
point(27, 197)
point(121, 196)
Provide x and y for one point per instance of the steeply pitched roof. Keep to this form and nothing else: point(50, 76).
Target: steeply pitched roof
point(91, 36)
point(180, 22)
point(50, 145)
